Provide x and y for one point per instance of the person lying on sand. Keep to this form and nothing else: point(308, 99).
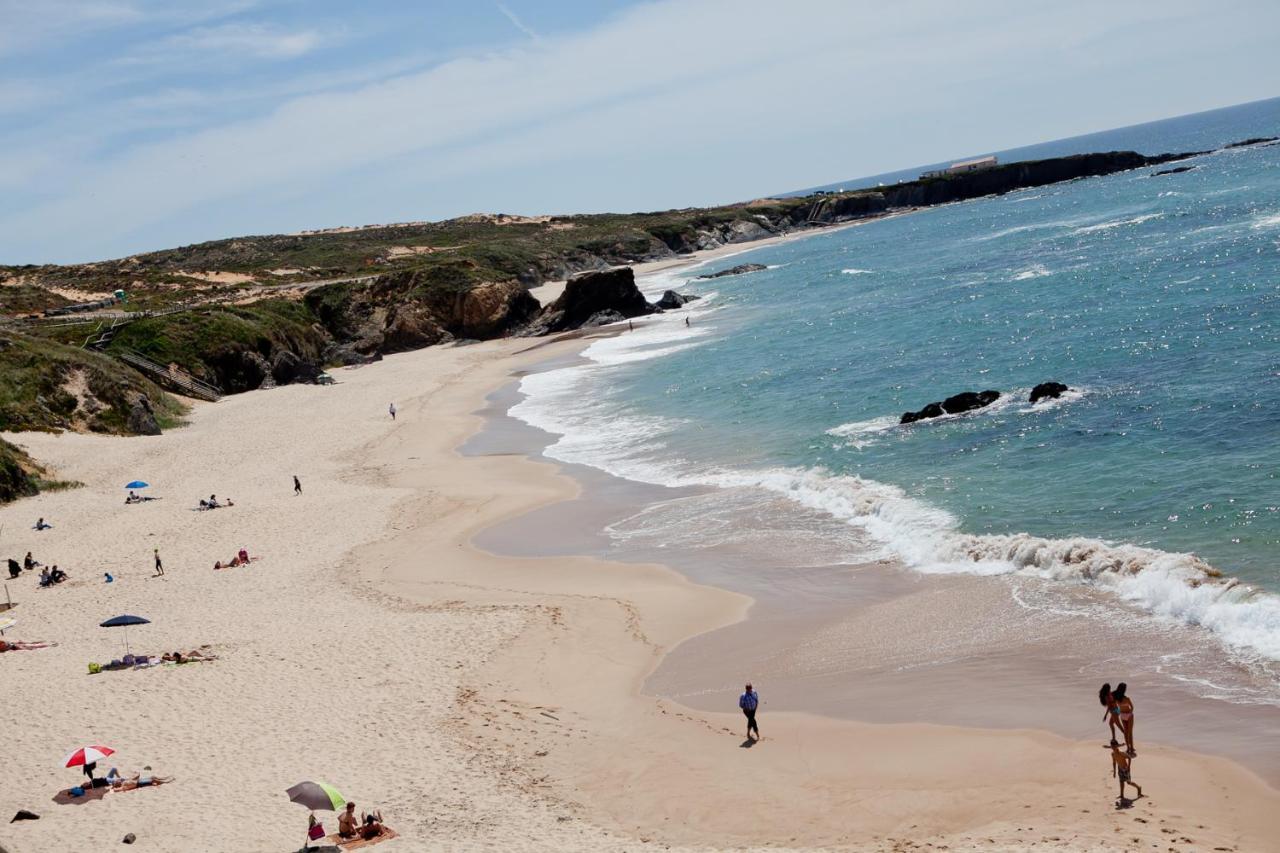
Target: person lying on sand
point(23, 645)
point(141, 779)
point(137, 499)
point(372, 826)
point(187, 657)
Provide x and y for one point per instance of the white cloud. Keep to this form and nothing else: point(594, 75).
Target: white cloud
point(517, 23)
point(718, 99)
point(248, 39)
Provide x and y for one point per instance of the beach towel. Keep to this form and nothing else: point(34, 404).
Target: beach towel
point(356, 843)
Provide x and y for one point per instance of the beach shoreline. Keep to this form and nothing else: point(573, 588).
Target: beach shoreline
point(479, 700)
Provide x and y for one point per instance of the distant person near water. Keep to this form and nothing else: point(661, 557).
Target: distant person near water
point(392, 410)
point(297, 485)
point(748, 702)
point(159, 565)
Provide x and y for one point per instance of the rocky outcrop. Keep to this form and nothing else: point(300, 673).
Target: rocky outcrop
point(670, 300)
point(966, 401)
point(1176, 170)
point(17, 479)
point(142, 417)
point(589, 294)
point(738, 270)
point(418, 308)
point(603, 318)
point(1047, 391)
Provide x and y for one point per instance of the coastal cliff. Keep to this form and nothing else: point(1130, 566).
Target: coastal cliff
point(253, 312)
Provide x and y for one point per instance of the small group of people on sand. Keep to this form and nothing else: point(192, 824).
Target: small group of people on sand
point(1119, 715)
point(137, 499)
point(242, 558)
point(369, 826)
point(52, 576)
point(214, 503)
point(28, 563)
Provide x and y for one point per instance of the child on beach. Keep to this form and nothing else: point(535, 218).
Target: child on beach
point(1120, 769)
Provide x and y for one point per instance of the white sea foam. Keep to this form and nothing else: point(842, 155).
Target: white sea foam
point(1034, 271)
point(1117, 223)
point(594, 428)
point(1267, 220)
point(854, 271)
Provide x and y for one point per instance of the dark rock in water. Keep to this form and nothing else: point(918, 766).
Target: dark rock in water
point(670, 299)
point(967, 401)
point(963, 402)
point(603, 318)
point(142, 418)
point(1177, 170)
point(1048, 391)
point(1253, 140)
point(589, 294)
point(933, 410)
point(738, 270)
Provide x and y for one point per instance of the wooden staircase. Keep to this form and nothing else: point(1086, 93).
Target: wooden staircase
point(173, 378)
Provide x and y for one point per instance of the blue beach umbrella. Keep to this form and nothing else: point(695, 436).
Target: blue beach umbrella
point(124, 622)
point(137, 484)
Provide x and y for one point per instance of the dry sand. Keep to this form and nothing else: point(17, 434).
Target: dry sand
point(482, 702)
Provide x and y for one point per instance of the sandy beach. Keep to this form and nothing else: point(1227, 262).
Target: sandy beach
point(479, 701)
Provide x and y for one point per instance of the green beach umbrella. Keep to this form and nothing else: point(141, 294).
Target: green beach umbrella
point(316, 795)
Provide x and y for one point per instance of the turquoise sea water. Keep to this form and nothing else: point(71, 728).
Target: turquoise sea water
point(1157, 299)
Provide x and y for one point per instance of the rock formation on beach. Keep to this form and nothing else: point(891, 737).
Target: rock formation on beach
point(588, 295)
point(738, 270)
point(671, 300)
point(966, 401)
point(1047, 391)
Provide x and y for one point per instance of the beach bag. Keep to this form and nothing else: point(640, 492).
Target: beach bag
point(316, 832)
point(95, 668)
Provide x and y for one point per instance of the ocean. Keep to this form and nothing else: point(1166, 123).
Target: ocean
point(1153, 486)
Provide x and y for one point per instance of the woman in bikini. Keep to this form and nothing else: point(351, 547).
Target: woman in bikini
point(1124, 706)
point(1112, 714)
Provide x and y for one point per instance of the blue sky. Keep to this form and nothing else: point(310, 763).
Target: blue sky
point(128, 125)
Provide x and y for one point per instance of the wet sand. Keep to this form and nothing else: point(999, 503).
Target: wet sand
point(876, 642)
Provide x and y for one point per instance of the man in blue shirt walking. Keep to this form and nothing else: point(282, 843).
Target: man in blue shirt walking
point(748, 702)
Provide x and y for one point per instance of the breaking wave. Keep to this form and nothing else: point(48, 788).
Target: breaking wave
point(595, 428)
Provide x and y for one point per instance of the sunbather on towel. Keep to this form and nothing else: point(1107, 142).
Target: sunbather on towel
point(347, 822)
point(22, 645)
point(372, 826)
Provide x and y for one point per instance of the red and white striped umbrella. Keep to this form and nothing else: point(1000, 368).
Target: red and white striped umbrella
point(87, 755)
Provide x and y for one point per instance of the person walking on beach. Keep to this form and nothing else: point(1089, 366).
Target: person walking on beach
point(1124, 708)
point(748, 702)
point(297, 485)
point(392, 409)
point(1121, 767)
point(1112, 712)
point(686, 322)
point(159, 565)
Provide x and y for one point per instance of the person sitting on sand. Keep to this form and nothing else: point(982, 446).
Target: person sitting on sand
point(347, 822)
point(132, 499)
point(29, 562)
point(44, 577)
point(243, 556)
point(41, 525)
point(1121, 766)
point(15, 569)
point(57, 575)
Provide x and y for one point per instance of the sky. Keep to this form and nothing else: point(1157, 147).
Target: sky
point(132, 125)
